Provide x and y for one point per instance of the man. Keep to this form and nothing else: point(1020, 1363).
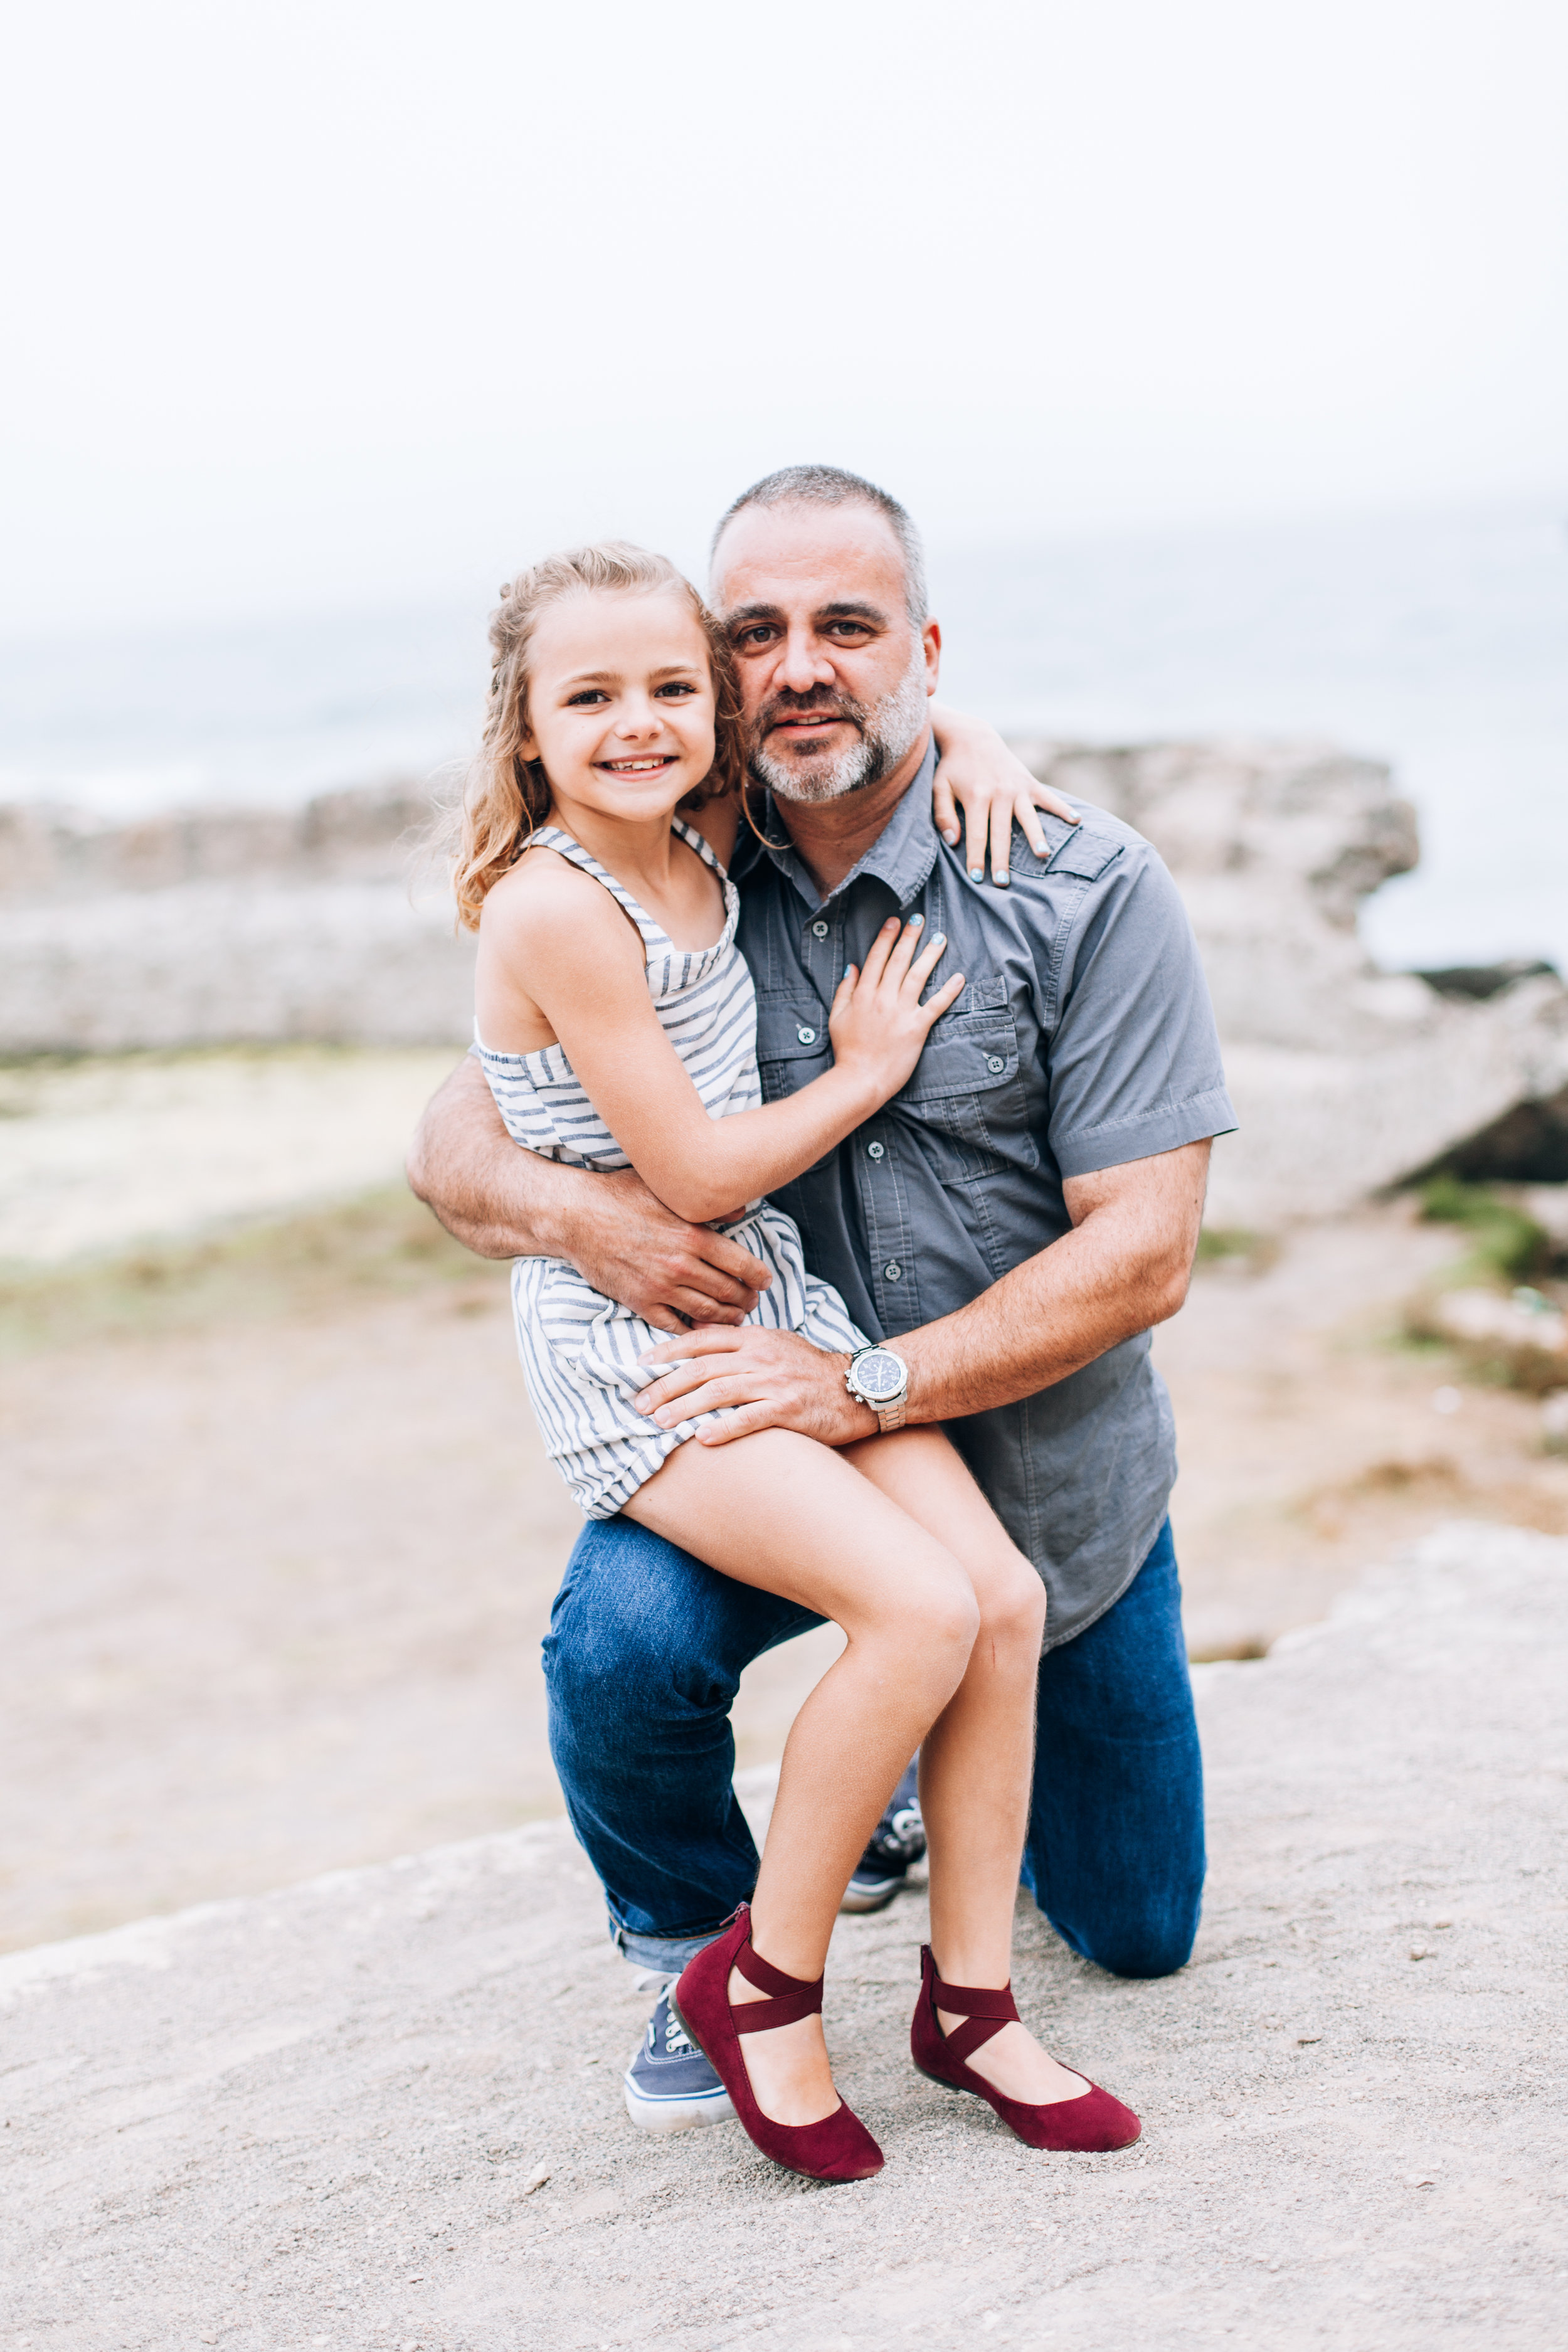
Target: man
point(1015, 1221)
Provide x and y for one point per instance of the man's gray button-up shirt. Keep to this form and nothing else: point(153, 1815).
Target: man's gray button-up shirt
point(1083, 1039)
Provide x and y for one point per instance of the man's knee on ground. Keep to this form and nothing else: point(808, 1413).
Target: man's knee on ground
point(1149, 1940)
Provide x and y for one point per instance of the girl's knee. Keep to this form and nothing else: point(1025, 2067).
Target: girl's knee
point(1013, 1605)
point(943, 1617)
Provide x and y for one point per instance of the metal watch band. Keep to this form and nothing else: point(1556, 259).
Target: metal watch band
point(890, 1416)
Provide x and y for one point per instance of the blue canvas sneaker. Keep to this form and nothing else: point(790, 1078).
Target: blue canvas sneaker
point(670, 2085)
point(897, 1840)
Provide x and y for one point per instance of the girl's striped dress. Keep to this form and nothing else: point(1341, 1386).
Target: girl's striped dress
point(579, 1349)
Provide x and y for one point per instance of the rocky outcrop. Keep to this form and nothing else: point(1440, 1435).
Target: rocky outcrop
point(56, 855)
point(1346, 1078)
point(199, 928)
point(272, 924)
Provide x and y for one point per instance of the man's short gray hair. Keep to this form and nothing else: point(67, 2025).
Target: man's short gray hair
point(830, 486)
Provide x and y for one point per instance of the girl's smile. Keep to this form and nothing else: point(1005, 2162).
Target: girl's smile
point(620, 703)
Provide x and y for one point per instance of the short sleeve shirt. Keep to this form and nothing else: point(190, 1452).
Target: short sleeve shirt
point(1084, 1038)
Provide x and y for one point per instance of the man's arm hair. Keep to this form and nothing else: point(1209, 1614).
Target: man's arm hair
point(1124, 1267)
point(498, 1201)
point(502, 1202)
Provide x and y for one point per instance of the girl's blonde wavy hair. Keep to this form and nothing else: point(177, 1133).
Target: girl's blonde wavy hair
point(506, 798)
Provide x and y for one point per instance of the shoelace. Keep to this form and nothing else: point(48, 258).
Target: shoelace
point(677, 2043)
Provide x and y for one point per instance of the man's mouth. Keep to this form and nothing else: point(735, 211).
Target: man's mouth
point(806, 722)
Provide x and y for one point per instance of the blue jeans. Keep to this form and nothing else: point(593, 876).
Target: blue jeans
point(643, 1659)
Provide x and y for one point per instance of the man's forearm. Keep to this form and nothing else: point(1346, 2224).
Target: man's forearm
point(499, 1201)
point(1122, 1269)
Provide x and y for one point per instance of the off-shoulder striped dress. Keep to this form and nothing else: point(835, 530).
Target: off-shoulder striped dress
point(580, 1350)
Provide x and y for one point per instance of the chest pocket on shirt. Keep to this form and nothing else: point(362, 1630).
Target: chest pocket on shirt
point(967, 1093)
point(793, 1045)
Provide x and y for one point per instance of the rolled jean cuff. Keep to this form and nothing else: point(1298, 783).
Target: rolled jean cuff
point(666, 1954)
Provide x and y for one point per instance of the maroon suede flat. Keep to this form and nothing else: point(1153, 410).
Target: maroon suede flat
point(1091, 2121)
point(839, 2147)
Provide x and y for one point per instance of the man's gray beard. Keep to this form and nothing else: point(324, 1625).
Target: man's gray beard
point(887, 732)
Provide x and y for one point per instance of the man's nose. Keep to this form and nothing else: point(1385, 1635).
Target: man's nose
point(803, 663)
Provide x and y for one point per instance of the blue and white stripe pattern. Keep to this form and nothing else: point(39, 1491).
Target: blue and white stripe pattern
point(580, 1350)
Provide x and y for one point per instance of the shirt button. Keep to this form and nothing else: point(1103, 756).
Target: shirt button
point(893, 1270)
point(994, 1063)
point(875, 1151)
point(806, 1036)
point(819, 931)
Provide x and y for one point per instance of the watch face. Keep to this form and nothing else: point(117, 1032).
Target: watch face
point(879, 1374)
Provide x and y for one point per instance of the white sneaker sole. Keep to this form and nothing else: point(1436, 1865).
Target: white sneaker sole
point(675, 2114)
point(872, 1898)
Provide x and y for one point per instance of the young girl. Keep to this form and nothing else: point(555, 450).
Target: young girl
point(618, 1026)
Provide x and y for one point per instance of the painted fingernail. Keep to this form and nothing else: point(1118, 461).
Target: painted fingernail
point(938, 938)
point(951, 839)
point(977, 873)
point(915, 922)
point(847, 970)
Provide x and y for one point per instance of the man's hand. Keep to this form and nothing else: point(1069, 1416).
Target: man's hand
point(1123, 1267)
point(500, 1201)
point(633, 1249)
point(761, 1380)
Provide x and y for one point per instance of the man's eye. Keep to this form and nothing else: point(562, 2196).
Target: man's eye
point(847, 629)
point(758, 635)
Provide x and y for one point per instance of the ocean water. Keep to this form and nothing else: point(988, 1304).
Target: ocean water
point(1438, 642)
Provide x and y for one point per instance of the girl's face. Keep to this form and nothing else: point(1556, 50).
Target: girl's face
point(620, 701)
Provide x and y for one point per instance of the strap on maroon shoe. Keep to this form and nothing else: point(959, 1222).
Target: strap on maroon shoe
point(988, 2008)
point(794, 1996)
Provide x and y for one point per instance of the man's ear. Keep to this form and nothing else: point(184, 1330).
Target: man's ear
point(931, 637)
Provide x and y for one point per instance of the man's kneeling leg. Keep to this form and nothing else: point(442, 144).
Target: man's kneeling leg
point(642, 1662)
point(1115, 1849)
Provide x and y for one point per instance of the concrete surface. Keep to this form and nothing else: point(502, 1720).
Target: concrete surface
point(315, 2118)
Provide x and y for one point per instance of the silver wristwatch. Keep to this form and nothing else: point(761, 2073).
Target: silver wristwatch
point(881, 1379)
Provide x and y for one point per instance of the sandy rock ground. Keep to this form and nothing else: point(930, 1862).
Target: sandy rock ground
point(96, 1154)
point(282, 1544)
point(314, 2118)
point(274, 1598)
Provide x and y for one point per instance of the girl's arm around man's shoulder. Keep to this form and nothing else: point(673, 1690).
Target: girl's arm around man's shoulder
point(977, 774)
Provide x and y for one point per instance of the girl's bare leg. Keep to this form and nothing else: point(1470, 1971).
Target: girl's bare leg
point(976, 1759)
point(778, 1511)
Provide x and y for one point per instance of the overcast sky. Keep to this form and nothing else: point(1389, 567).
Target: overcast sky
point(338, 303)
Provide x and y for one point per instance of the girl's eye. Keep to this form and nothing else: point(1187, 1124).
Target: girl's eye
point(681, 687)
point(589, 694)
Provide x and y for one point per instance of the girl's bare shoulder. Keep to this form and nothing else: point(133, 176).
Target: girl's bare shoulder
point(543, 891)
